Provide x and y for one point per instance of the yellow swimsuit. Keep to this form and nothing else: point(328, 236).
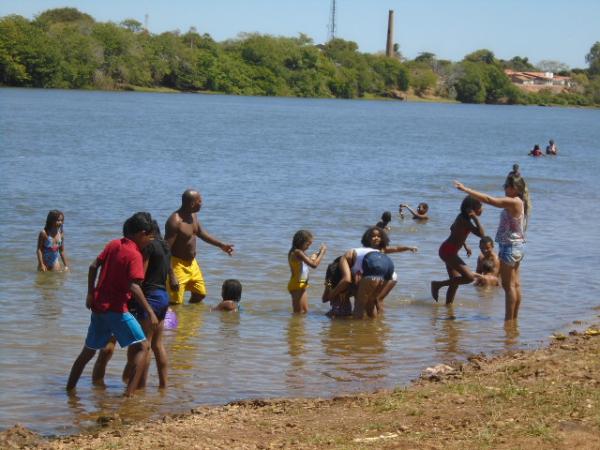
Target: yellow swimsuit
point(299, 278)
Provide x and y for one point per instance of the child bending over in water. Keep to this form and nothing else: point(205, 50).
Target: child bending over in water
point(488, 264)
point(380, 280)
point(386, 218)
point(299, 265)
point(458, 272)
point(231, 294)
point(51, 243)
point(420, 214)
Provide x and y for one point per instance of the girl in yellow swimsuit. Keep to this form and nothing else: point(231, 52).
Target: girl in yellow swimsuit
point(299, 265)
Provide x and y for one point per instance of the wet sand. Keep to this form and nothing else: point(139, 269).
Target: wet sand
point(547, 398)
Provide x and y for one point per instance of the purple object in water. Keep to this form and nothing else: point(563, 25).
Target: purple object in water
point(171, 321)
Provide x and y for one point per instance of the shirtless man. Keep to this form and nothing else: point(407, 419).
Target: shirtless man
point(181, 231)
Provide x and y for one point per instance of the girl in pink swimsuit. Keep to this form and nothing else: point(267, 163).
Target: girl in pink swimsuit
point(458, 272)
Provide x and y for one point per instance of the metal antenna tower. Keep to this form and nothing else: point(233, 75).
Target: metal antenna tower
point(146, 21)
point(332, 25)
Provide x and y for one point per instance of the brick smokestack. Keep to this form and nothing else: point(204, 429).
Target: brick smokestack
point(389, 48)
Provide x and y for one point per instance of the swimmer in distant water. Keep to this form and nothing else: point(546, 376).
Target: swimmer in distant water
point(300, 263)
point(458, 272)
point(537, 151)
point(386, 218)
point(551, 148)
point(231, 294)
point(515, 171)
point(51, 245)
point(488, 264)
point(420, 214)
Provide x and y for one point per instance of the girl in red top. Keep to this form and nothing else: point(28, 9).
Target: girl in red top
point(458, 272)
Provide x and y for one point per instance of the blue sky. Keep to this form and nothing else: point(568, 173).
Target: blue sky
point(552, 29)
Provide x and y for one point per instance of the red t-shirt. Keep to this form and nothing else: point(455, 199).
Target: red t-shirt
point(122, 263)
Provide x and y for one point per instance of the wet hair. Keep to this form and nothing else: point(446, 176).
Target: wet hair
point(520, 185)
point(51, 219)
point(487, 266)
point(368, 235)
point(231, 290)
point(551, 142)
point(515, 168)
point(140, 221)
point(301, 237)
point(536, 147)
point(386, 217)
point(486, 240)
point(424, 205)
point(158, 236)
point(188, 196)
point(469, 204)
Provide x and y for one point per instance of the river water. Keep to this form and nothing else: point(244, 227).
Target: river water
point(267, 167)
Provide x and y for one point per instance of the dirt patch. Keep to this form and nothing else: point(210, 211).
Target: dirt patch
point(543, 399)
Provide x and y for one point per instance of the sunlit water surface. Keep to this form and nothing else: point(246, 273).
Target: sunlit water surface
point(266, 168)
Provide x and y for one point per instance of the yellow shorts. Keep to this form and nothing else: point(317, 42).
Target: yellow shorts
point(295, 285)
point(190, 278)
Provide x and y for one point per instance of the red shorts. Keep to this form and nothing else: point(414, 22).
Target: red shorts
point(448, 250)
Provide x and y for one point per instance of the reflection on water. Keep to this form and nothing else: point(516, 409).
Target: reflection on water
point(284, 161)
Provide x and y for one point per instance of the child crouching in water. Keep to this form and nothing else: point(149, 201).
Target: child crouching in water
point(122, 273)
point(299, 265)
point(231, 294)
point(488, 264)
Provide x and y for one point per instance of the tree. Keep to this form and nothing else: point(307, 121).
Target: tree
point(520, 64)
point(593, 59)
point(484, 56)
point(58, 15)
point(132, 25)
point(547, 65)
point(470, 86)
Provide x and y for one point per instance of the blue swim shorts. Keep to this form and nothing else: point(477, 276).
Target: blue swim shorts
point(158, 299)
point(511, 254)
point(378, 265)
point(123, 326)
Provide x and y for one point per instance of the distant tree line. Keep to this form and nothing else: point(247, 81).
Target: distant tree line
point(65, 48)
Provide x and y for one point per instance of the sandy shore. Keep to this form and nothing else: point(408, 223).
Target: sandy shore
point(543, 399)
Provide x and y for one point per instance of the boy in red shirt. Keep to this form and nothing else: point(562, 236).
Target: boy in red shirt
point(122, 273)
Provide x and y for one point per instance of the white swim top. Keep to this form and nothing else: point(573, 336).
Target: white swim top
point(360, 254)
point(510, 229)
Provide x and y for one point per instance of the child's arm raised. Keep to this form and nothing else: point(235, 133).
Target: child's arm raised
point(399, 249)
point(312, 262)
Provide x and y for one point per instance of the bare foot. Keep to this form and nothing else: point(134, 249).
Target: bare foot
point(435, 290)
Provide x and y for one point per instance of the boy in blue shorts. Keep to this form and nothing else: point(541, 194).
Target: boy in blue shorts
point(120, 278)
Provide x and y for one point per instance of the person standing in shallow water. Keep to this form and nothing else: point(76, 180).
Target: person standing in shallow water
point(510, 236)
point(181, 230)
point(458, 271)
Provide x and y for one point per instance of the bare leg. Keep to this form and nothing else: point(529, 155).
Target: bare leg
point(507, 275)
point(383, 293)
point(366, 297)
point(84, 357)
point(160, 355)
point(136, 358)
point(517, 284)
point(104, 357)
point(149, 332)
point(300, 301)
point(458, 273)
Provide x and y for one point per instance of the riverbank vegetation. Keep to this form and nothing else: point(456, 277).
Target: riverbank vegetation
point(66, 48)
